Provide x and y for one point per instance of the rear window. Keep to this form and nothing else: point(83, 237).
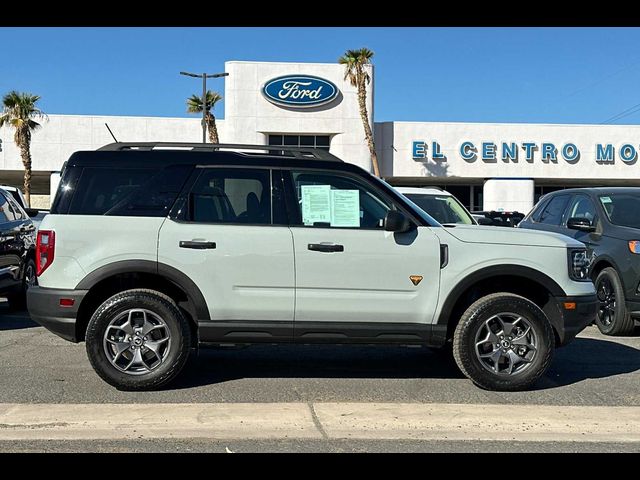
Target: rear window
point(147, 192)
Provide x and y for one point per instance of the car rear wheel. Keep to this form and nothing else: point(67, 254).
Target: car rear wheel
point(138, 340)
point(612, 317)
point(503, 342)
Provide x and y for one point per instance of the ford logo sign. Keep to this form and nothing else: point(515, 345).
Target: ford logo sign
point(299, 91)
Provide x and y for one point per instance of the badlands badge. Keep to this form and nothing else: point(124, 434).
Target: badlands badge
point(415, 279)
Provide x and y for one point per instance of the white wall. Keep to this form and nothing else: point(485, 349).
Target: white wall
point(508, 194)
point(249, 117)
point(62, 135)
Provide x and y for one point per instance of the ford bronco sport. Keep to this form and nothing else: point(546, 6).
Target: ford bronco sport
point(151, 250)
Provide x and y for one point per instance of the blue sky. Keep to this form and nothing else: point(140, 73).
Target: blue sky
point(550, 75)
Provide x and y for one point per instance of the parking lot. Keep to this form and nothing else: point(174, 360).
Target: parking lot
point(37, 367)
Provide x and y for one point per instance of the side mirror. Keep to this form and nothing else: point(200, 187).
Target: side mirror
point(582, 224)
point(396, 222)
point(32, 212)
point(484, 221)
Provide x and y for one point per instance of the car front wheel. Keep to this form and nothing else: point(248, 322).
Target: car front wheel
point(503, 342)
point(612, 317)
point(138, 340)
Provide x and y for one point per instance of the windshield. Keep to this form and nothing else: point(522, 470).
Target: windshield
point(444, 208)
point(622, 208)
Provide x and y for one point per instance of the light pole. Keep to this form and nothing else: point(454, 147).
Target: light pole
point(204, 77)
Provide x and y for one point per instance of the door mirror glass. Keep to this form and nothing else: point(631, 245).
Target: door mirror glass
point(579, 223)
point(395, 221)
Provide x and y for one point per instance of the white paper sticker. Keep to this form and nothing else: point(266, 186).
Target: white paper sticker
point(605, 199)
point(316, 204)
point(345, 208)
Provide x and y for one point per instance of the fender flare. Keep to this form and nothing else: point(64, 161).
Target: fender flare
point(175, 276)
point(496, 271)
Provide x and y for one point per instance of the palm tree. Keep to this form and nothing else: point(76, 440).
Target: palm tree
point(354, 62)
point(19, 110)
point(194, 105)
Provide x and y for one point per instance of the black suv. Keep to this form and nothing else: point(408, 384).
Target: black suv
point(17, 251)
point(607, 220)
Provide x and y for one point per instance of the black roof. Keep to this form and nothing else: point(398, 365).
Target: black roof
point(208, 154)
point(596, 190)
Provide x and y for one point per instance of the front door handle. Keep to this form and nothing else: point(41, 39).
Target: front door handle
point(197, 245)
point(326, 247)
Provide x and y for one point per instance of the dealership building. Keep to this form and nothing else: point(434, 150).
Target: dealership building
point(488, 166)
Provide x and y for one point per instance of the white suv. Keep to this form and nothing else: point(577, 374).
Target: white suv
point(153, 249)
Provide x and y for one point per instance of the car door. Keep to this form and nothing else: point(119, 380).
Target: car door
point(231, 239)
point(351, 274)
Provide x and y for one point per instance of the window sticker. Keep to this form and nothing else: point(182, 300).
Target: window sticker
point(605, 199)
point(316, 204)
point(322, 206)
point(345, 208)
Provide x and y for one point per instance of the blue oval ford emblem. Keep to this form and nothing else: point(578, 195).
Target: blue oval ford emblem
point(300, 91)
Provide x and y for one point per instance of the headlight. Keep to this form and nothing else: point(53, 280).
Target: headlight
point(634, 246)
point(579, 262)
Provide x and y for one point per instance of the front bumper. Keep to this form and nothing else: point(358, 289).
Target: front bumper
point(44, 307)
point(573, 321)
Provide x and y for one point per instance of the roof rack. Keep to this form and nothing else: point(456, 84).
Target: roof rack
point(297, 152)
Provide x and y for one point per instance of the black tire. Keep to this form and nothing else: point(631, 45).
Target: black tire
point(612, 318)
point(18, 301)
point(470, 325)
point(178, 349)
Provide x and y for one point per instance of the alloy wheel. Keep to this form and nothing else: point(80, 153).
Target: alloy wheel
point(607, 299)
point(137, 341)
point(506, 344)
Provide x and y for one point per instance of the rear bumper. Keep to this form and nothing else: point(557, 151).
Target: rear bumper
point(577, 319)
point(44, 307)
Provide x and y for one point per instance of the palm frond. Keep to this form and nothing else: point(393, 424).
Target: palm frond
point(354, 62)
point(194, 102)
point(19, 109)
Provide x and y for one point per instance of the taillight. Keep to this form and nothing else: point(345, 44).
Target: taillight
point(45, 249)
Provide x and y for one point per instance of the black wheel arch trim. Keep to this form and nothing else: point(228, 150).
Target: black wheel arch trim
point(527, 273)
point(608, 259)
point(175, 276)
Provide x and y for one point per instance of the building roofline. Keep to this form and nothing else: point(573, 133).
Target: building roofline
point(502, 124)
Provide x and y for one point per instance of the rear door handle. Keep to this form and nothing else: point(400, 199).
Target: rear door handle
point(197, 245)
point(326, 247)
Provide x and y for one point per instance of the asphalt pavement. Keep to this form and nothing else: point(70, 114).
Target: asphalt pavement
point(37, 367)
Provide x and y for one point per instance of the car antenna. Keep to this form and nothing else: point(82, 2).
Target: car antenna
point(114, 137)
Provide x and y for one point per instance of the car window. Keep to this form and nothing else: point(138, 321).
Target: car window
point(444, 208)
point(231, 195)
point(537, 211)
point(6, 213)
point(622, 208)
point(100, 189)
point(553, 212)
point(19, 213)
point(330, 199)
point(582, 207)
